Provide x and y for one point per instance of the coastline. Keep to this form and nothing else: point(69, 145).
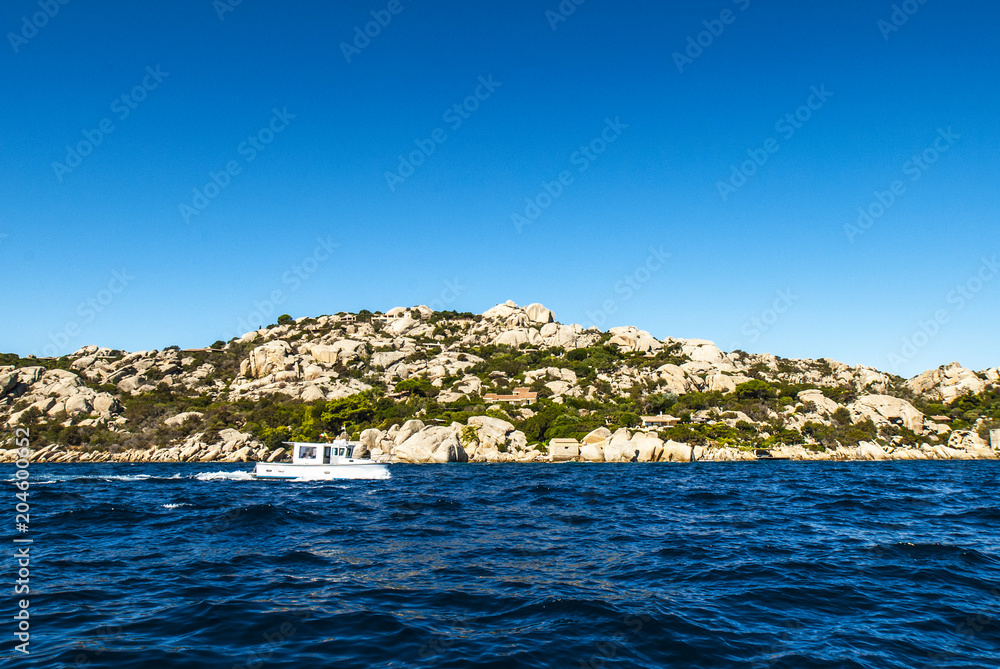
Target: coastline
point(865, 452)
point(509, 385)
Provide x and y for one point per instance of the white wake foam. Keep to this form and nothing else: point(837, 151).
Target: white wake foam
point(224, 476)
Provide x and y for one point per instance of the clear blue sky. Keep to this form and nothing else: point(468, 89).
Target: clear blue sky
point(444, 235)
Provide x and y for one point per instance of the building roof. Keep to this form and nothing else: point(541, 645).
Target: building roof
point(659, 419)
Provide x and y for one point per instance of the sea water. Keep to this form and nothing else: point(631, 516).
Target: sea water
point(776, 564)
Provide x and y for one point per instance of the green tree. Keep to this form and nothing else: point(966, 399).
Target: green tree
point(661, 402)
point(755, 390)
point(625, 419)
point(841, 416)
point(420, 387)
point(348, 411)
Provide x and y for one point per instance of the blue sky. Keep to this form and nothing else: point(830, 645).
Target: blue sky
point(641, 123)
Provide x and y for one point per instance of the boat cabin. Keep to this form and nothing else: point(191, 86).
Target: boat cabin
point(317, 461)
point(333, 453)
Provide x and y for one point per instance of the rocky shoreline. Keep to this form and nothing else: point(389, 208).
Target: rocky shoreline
point(493, 440)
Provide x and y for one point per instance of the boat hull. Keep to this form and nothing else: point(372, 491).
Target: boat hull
point(293, 472)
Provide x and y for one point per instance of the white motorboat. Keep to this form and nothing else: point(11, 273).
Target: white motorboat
point(322, 462)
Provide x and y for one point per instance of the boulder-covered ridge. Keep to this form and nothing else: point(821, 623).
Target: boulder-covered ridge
point(415, 385)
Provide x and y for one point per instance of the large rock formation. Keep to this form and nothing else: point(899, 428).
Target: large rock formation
point(431, 444)
point(883, 409)
point(947, 383)
point(268, 358)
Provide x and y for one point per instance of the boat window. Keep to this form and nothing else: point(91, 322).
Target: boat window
point(307, 452)
point(326, 455)
point(340, 451)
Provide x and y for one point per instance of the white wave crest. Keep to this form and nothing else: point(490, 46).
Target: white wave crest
point(35, 481)
point(95, 477)
point(224, 476)
point(119, 477)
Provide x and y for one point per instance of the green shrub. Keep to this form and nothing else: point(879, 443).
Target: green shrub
point(784, 436)
point(420, 387)
point(755, 390)
point(841, 416)
point(661, 402)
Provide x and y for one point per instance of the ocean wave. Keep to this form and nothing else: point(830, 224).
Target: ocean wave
point(33, 481)
point(122, 477)
point(47, 479)
point(464, 567)
point(224, 476)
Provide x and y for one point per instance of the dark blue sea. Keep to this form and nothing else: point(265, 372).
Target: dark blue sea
point(792, 565)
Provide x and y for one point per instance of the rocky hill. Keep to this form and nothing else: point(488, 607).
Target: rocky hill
point(414, 385)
